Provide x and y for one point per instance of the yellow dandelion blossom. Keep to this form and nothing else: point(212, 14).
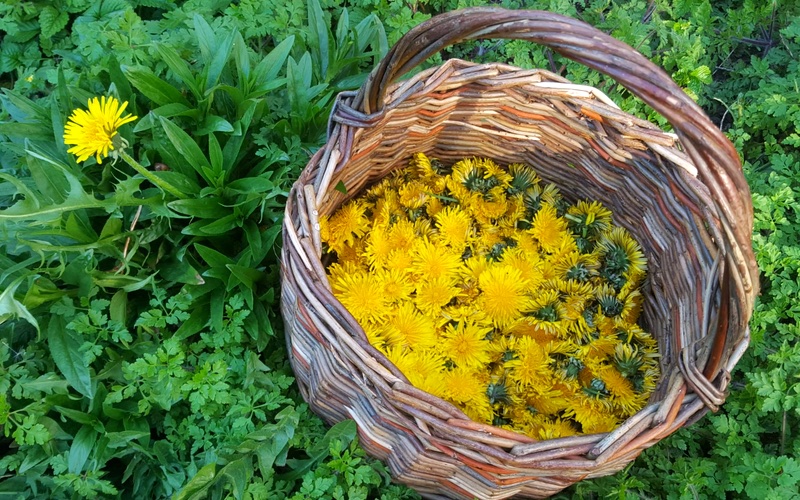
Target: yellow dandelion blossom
point(504, 296)
point(353, 254)
point(466, 345)
point(422, 166)
point(623, 395)
point(525, 328)
point(348, 224)
point(546, 311)
point(546, 400)
point(523, 178)
point(434, 294)
point(432, 261)
point(434, 206)
point(408, 328)
point(529, 266)
point(621, 253)
point(494, 171)
point(362, 295)
point(631, 306)
point(591, 414)
point(578, 267)
point(397, 285)
point(531, 368)
point(527, 244)
point(589, 218)
point(490, 208)
point(402, 235)
point(422, 368)
point(399, 260)
point(377, 249)
point(469, 313)
point(548, 228)
point(413, 194)
point(92, 132)
point(454, 227)
point(556, 428)
point(464, 385)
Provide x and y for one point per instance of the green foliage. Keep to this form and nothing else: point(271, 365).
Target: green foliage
point(141, 349)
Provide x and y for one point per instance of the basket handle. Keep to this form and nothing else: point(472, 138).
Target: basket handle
point(712, 153)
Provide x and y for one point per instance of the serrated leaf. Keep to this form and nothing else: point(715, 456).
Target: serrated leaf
point(51, 21)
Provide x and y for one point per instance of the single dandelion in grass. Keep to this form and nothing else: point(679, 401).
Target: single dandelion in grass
point(94, 131)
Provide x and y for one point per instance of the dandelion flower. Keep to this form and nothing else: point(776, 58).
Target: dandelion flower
point(503, 298)
point(362, 295)
point(532, 366)
point(466, 345)
point(408, 328)
point(422, 368)
point(464, 385)
point(347, 225)
point(397, 286)
point(434, 294)
point(454, 227)
point(92, 132)
point(432, 261)
point(548, 228)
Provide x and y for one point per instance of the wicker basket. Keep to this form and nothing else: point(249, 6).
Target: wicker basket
point(682, 196)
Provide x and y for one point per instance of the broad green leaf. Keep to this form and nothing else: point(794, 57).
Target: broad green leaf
point(11, 308)
point(186, 146)
point(318, 38)
point(214, 123)
point(206, 39)
point(220, 58)
point(215, 153)
point(47, 383)
point(212, 257)
point(237, 473)
point(269, 67)
point(252, 185)
point(122, 438)
point(81, 448)
point(118, 309)
point(246, 275)
point(153, 87)
point(198, 486)
point(212, 228)
point(242, 59)
point(65, 350)
point(31, 209)
point(179, 67)
point(206, 208)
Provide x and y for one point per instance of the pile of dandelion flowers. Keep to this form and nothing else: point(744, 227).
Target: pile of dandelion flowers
point(488, 289)
point(94, 132)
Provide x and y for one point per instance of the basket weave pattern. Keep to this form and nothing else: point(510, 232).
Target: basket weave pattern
point(683, 197)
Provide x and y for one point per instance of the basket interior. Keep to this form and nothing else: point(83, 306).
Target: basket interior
point(557, 128)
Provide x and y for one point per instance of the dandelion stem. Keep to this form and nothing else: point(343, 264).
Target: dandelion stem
point(150, 176)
